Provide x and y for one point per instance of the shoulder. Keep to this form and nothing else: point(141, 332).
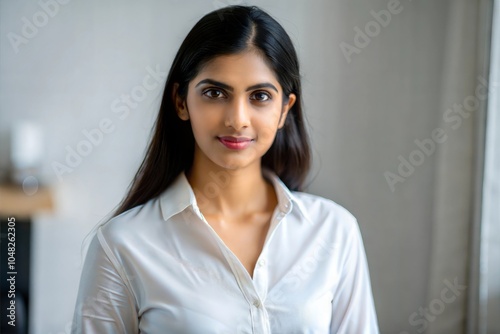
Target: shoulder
point(138, 223)
point(323, 204)
point(324, 211)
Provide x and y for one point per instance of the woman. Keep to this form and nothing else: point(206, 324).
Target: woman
point(214, 235)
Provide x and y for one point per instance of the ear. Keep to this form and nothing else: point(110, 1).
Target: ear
point(179, 103)
point(286, 107)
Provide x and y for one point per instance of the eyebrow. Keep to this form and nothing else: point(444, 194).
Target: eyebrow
point(229, 88)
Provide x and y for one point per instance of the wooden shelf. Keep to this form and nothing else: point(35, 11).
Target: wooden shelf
point(15, 202)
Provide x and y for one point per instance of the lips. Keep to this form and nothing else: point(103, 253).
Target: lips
point(235, 139)
point(235, 143)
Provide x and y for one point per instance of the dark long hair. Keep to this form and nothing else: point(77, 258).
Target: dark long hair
point(226, 31)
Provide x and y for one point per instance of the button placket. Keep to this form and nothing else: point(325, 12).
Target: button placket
point(260, 316)
point(254, 291)
point(260, 278)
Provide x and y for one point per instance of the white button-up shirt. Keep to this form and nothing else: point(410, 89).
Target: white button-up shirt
point(161, 268)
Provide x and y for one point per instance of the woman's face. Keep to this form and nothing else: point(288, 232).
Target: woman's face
point(235, 106)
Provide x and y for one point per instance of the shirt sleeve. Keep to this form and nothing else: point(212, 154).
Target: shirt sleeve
point(352, 305)
point(104, 303)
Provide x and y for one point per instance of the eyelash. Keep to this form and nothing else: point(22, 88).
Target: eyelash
point(211, 90)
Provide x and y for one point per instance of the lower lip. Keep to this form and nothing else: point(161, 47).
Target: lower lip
point(235, 145)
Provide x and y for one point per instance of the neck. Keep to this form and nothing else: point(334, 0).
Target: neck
point(230, 192)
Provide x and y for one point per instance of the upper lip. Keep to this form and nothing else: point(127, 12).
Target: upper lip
point(235, 139)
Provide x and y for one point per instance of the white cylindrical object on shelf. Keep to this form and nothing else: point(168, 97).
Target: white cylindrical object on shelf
point(26, 151)
point(26, 145)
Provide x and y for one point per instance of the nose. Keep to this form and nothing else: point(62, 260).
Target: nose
point(237, 114)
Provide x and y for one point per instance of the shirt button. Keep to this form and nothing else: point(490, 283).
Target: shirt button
point(262, 263)
point(256, 303)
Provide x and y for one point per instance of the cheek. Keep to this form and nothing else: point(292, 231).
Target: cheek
point(202, 116)
point(268, 126)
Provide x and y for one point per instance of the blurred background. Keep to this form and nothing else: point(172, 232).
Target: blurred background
point(402, 103)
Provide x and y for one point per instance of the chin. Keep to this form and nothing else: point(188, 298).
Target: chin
point(232, 164)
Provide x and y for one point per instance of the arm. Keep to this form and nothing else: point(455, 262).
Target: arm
point(104, 303)
point(353, 306)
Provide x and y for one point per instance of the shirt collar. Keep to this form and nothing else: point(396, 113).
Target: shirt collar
point(179, 195)
point(287, 200)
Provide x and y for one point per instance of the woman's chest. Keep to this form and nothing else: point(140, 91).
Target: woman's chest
point(203, 292)
point(244, 238)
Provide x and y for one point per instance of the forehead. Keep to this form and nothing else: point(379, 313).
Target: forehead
point(238, 70)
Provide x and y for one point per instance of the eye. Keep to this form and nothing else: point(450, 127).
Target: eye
point(260, 96)
point(214, 93)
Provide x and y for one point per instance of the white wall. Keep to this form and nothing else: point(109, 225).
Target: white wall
point(363, 114)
